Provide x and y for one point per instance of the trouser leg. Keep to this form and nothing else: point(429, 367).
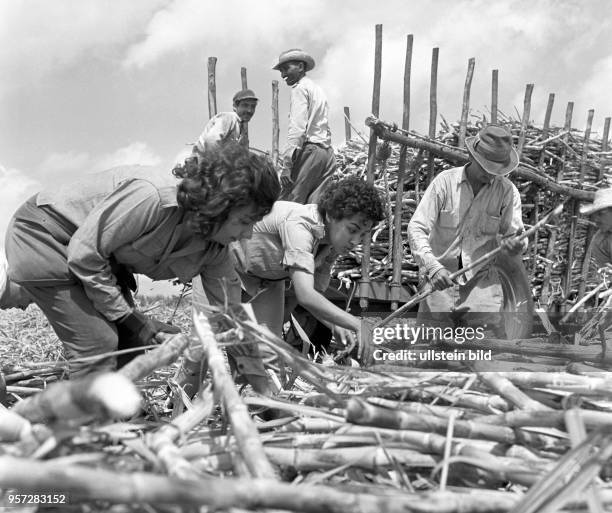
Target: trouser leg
point(83, 331)
point(310, 173)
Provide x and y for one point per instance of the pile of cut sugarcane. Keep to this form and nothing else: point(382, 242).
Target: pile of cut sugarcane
point(391, 438)
point(558, 274)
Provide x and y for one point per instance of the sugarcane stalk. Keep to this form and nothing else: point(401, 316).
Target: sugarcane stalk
point(222, 494)
point(364, 414)
point(146, 363)
point(163, 441)
point(433, 109)
point(508, 391)
point(108, 395)
point(243, 427)
point(275, 123)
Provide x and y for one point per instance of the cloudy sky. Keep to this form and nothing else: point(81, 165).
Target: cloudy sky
point(88, 84)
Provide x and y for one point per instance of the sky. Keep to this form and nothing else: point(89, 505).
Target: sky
point(89, 84)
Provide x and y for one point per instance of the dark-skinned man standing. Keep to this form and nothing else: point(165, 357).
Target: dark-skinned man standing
point(308, 159)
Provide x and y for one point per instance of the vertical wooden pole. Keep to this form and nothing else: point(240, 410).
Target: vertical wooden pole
point(536, 213)
point(546, 126)
point(525, 118)
point(398, 247)
point(589, 234)
point(275, 125)
point(494, 95)
point(212, 87)
point(243, 78)
point(566, 128)
point(243, 81)
point(364, 284)
point(347, 124)
point(433, 109)
point(572, 207)
point(465, 106)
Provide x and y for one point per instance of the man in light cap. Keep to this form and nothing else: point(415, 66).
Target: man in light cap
point(229, 126)
point(466, 212)
point(308, 160)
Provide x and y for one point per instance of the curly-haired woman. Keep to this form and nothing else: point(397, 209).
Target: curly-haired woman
point(301, 242)
point(74, 248)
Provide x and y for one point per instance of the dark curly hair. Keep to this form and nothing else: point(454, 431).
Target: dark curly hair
point(350, 196)
point(222, 179)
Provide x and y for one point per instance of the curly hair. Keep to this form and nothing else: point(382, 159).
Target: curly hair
point(350, 196)
point(221, 180)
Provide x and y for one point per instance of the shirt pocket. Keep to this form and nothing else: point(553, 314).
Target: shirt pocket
point(448, 220)
point(490, 224)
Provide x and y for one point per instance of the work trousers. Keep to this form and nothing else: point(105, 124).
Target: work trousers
point(36, 250)
point(311, 173)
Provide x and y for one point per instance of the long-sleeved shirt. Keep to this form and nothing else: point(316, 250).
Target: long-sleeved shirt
point(220, 129)
point(450, 226)
point(290, 237)
point(308, 117)
point(130, 213)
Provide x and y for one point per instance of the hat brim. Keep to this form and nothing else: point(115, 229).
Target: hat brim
point(306, 59)
point(494, 168)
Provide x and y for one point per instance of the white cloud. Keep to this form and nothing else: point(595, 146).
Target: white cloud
point(38, 37)
point(71, 165)
point(135, 153)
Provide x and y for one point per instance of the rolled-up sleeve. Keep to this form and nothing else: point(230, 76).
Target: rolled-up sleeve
point(512, 215)
point(133, 209)
point(298, 244)
point(220, 280)
point(420, 227)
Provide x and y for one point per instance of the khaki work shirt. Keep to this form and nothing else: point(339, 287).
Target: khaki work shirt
point(451, 224)
point(131, 213)
point(291, 236)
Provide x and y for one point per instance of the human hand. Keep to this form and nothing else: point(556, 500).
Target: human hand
point(441, 279)
point(512, 245)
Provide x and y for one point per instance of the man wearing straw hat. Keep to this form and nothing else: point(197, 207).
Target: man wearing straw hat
point(308, 159)
point(228, 126)
point(600, 212)
point(466, 212)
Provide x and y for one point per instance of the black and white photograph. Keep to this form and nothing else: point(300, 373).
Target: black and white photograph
point(305, 256)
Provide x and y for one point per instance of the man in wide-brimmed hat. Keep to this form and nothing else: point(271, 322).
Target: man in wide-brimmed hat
point(308, 160)
point(229, 126)
point(466, 212)
point(600, 212)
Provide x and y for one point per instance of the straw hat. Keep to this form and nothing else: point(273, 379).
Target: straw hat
point(492, 149)
point(603, 199)
point(295, 54)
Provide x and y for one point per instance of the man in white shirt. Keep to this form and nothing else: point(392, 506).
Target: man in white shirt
point(229, 126)
point(308, 160)
point(465, 213)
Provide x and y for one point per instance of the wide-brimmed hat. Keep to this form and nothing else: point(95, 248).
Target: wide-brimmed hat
point(295, 54)
point(602, 199)
point(492, 149)
point(245, 94)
